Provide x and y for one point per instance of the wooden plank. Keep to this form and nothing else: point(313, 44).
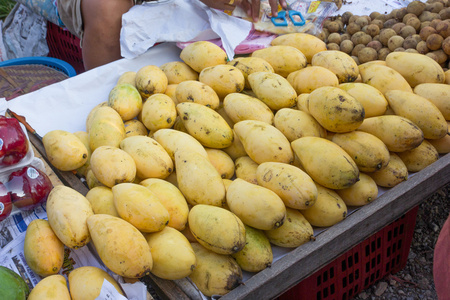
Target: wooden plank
point(338, 239)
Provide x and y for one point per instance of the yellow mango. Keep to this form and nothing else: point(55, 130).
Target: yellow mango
point(205, 124)
point(257, 252)
point(394, 173)
point(284, 59)
point(236, 149)
point(295, 124)
point(326, 162)
point(64, 150)
point(158, 112)
point(178, 71)
point(84, 138)
point(112, 165)
point(438, 94)
point(223, 79)
point(102, 200)
point(217, 229)
point(361, 193)
point(420, 157)
point(222, 162)
point(442, 145)
point(134, 127)
point(249, 65)
point(151, 80)
point(120, 245)
point(173, 140)
point(152, 160)
point(263, 142)
point(43, 251)
point(170, 91)
point(310, 78)
point(383, 78)
point(419, 110)
point(338, 62)
point(197, 92)
point(302, 102)
point(202, 54)
point(198, 179)
point(308, 44)
point(295, 187)
point(172, 254)
point(255, 205)
point(106, 128)
point(127, 77)
point(91, 180)
point(373, 101)
point(239, 107)
point(294, 232)
point(273, 89)
point(416, 68)
point(335, 109)
point(171, 198)
point(369, 152)
point(67, 212)
point(397, 133)
point(85, 283)
point(215, 274)
point(126, 100)
point(53, 287)
point(328, 210)
point(140, 207)
point(245, 168)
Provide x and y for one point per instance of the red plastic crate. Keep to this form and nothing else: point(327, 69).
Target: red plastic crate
point(385, 252)
point(64, 45)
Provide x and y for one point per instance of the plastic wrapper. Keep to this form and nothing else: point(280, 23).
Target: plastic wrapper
point(313, 12)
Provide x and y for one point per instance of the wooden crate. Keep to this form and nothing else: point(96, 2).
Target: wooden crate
point(307, 259)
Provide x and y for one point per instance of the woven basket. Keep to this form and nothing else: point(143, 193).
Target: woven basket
point(23, 79)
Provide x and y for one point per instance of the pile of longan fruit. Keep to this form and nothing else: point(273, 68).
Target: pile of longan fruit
point(420, 27)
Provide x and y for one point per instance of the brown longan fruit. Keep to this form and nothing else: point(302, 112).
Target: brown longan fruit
point(372, 30)
point(322, 36)
point(359, 38)
point(389, 23)
point(410, 43)
point(334, 38)
point(426, 31)
point(333, 46)
point(414, 22)
point(362, 21)
point(443, 28)
point(378, 22)
point(353, 28)
point(398, 26)
point(401, 13)
point(435, 7)
point(434, 22)
point(382, 17)
point(407, 30)
point(395, 42)
point(345, 36)
point(356, 49)
point(393, 13)
point(416, 7)
point(386, 34)
point(382, 53)
point(446, 45)
point(422, 47)
point(434, 41)
point(346, 46)
point(346, 16)
point(411, 50)
point(375, 45)
point(376, 38)
point(432, 55)
point(352, 19)
point(407, 17)
point(367, 54)
point(445, 13)
point(333, 26)
point(441, 56)
point(355, 58)
point(416, 37)
point(373, 15)
point(428, 16)
point(399, 49)
point(424, 24)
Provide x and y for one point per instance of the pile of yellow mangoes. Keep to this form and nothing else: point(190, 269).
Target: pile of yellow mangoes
point(198, 167)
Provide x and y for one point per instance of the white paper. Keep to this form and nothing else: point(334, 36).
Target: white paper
point(109, 292)
point(179, 21)
point(65, 105)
